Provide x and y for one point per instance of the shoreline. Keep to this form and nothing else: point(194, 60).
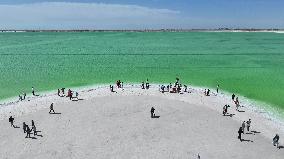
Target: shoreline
point(265, 120)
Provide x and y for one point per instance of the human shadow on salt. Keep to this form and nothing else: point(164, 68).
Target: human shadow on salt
point(230, 115)
point(281, 147)
point(55, 113)
point(38, 134)
point(255, 132)
point(16, 127)
point(156, 117)
point(241, 111)
point(248, 133)
point(77, 99)
point(247, 140)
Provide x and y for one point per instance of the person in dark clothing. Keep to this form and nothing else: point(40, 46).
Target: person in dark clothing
point(225, 109)
point(62, 89)
point(20, 98)
point(152, 112)
point(276, 141)
point(233, 96)
point(185, 88)
point(28, 132)
point(168, 88)
point(33, 123)
point(143, 85)
point(11, 120)
point(51, 109)
point(208, 91)
point(25, 96)
point(240, 133)
point(58, 92)
point(218, 88)
point(24, 127)
point(34, 130)
point(163, 88)
point(248, 124)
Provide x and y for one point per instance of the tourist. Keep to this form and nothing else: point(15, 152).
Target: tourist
point(24, 127)
point(147, 84)
point(163, 88)
point(225, 109)
point(248, 124)
point(34, 130)
point(62, 89)
point(205, 92)
point(121, 84)
point(58, 92)
point(276, 141)
point(233, 97)
point(33, 123)
point(152, 112)
point(237, 104)
point(24, 95)
point(168, 88)
point(11, 120)
point(28, 132)
point(185, 88)
point(51, 109)
point(208, 92)
point(143, 85)
point(33, 91)
point(243, 126)
point(20, 98)
point(218, 88)
point(240, 133)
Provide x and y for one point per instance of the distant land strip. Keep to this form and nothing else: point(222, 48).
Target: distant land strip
point(146, 54)
point(147, 30)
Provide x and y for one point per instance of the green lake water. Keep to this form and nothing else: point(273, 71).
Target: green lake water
point(250, 64)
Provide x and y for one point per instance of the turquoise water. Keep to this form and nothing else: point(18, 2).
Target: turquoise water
point(250, 64)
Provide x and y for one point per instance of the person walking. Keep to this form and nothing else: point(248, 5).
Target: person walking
point(248, 124)
point(51, 109)
point(276, 141)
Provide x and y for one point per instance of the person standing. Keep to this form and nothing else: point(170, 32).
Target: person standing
point(58, 92)
point(233, 96)
point(218, 88)
point(28, 132)
point(24, 127)
point(11, 120)
point(240, 134)
point(152, 112)
point(243, 126)
point(33, 91)
point(248, 124)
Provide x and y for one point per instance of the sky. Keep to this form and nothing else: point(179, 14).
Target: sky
point(141, 14)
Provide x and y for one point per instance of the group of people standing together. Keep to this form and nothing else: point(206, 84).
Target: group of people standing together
point(26, 128)
point(70, 93)
point(176, 88)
